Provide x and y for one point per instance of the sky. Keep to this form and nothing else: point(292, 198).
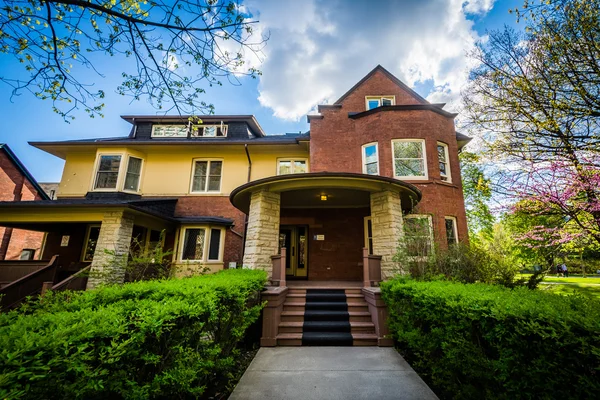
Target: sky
point(317, 50)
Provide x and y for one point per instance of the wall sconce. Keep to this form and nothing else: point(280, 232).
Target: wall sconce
point(323, 197)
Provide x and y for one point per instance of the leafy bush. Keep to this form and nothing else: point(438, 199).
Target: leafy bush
point(153, 339)
point(479, 341)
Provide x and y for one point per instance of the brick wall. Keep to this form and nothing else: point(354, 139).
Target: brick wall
point(15, 187)
point(336, 141)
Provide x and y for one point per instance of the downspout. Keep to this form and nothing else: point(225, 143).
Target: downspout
point(246, 217)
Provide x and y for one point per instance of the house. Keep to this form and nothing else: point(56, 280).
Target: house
point(378, 163)
point(17, 184)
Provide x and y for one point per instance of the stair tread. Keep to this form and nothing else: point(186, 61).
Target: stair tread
point(355, 295)
point(298, 335)
point(351, 313)
point(300, 324)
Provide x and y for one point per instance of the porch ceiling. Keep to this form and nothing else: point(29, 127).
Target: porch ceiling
point(342, 190)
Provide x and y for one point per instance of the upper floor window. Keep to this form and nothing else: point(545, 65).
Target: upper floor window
point(169, 131)
point(107, 174)
point(451, 231)
point(289, 166)
point(132, 177)
point(444, 160)
point(207, 176)
point(378, 101)
point(209, 130)
point(409, 159)
point(201, 244)
point(370, 159)
point(418, 235)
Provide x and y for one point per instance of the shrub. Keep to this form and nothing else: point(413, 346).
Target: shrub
point(479, 341)
point(152, 339)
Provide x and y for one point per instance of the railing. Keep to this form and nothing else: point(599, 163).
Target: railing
point(10, 271)
point(371, 269)
point(278, 274)
point(77, 281)
point(32, 283)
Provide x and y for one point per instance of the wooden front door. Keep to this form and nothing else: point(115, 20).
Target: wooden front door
point(295, 240)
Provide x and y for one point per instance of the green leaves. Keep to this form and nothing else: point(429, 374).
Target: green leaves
point(152, 339)
point(478, 341)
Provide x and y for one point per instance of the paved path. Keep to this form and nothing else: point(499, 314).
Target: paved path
point(330, 373)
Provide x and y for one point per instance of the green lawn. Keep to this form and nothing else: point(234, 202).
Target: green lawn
point(571, 288)
point(571, 279)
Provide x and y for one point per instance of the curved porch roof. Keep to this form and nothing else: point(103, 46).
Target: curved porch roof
point(342, 190)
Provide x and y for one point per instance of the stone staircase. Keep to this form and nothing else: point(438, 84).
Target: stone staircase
point(326, 317)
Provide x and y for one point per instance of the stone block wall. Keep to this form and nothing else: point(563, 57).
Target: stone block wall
point(262, 236)
point(386, 220)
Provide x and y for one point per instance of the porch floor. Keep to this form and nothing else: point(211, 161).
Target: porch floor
point(323, 284)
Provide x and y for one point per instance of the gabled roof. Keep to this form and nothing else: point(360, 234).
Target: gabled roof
point(12, 156)
point(249, 119)
point(397, 81)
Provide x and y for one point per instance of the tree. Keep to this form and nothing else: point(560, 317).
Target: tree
point(536, 97)
point(174, 47)
point(477, 192)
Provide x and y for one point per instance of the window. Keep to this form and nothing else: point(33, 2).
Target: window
point(369, 234)
point(132, 177)
point(201, 244)
point(209, 130)
point(444, 160)
point(378, 101)
point(91, 239)
point(451, 231)
point(207, 176)
point(418, 235)
point(370, 158)
point(168, 131)
point(27, 254)
point(291, 167)
point(409, 159)
point(108, 172)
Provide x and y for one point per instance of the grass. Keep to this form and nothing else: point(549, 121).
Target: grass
point(594, 279)
point(572, 288)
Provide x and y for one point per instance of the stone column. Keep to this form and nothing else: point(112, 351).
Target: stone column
point(386, 220)
point(115, 237)
point(262, 235)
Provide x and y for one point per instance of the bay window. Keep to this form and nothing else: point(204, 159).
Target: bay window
point(132, 177)
point(409, 159)
point(201, 244)
point(107, 174)
point(418, 235)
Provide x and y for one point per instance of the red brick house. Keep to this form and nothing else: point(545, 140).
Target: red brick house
point(17, 184)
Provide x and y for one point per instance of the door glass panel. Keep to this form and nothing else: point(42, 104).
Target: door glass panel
point(301, 247)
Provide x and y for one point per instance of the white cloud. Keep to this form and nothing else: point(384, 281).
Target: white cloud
point(319, 48)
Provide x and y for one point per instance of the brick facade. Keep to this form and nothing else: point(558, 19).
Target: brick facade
point(14, 186)
point(336, 145)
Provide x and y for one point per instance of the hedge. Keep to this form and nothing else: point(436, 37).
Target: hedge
point(144, 340)
point(478, 341)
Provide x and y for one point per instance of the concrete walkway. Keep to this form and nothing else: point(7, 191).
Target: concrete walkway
point(330, 373)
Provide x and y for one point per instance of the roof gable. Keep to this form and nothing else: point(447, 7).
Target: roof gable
point(19, 165)
point(380, 70)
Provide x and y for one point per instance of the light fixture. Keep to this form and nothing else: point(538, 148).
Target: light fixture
point(323, 197)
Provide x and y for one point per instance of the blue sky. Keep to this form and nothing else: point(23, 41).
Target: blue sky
point(317, 50)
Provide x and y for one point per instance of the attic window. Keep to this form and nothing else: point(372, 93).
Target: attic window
point(209, 130)
point(378, 101)
point(168, 131)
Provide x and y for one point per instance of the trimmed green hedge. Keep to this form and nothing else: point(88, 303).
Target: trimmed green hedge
point(478, 341)
point(153, 339)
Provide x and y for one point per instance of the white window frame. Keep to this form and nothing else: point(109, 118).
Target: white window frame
point(425, 175)
point(206, 249)
point(366, 231)
point(154, 135)
point(292, 160)
point(87, 238)
point(224, 128)
point(139, 185)
point(454, 227)
point(119, 184)
point(379, 100)
point(447, 162)
point(206, 192)
point(429, 224)
point(364, 156)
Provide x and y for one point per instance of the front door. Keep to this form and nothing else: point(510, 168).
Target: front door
point(295, 239)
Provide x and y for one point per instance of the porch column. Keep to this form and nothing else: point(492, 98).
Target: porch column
point(386, 220)
point(115, 236)
point(262, 236)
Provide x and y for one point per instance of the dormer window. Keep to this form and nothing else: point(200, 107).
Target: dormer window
point(378, 101)
point(209, 130)
point(169, 131)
